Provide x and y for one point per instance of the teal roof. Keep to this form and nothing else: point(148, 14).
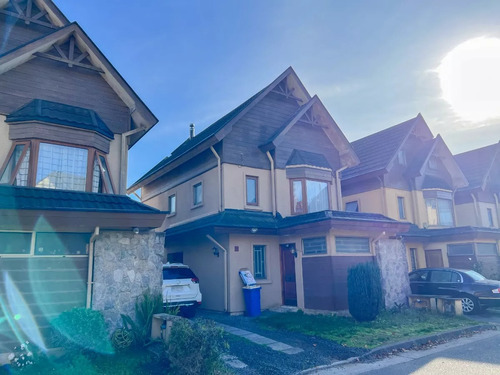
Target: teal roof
point(61, 114)
point(28, 198)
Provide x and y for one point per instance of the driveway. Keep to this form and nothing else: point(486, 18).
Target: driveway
point(487, 316)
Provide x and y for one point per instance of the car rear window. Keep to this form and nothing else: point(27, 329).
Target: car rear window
point(178, 273)
point(474, 275)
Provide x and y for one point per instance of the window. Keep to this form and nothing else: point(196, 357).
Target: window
point(419, 276)
point(401, 207)
point(309, 196)
point(197, 194)
point(352, 206)
point(56, 166)
point(461, 249)
point(445, 277)
point(401, 157)
point(61, 167)
point(171, 204)
point(352, 245)
point(15, 171)
point(486, 249)
point(15, 243)
point(490, 217)
point(316, 245)
point(413, 258)
point(259, 261)
point(439, 211)
point(252, 184)
point(61, 243)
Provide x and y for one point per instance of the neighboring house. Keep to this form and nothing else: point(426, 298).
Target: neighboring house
point(68, 237)
point(408, 174)
point(477, 206)
point(259, 189)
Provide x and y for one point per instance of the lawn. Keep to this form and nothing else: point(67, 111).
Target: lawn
point(388, 327)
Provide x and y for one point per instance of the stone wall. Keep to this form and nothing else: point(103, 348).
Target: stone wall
point(125, 265)
point(391, 258)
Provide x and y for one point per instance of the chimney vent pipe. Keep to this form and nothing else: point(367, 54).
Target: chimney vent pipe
point(191, 131)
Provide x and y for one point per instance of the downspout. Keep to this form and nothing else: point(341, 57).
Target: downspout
point(339, 187)
point(219, 176)
point(90, 275)
point(497, 206)
point(384, 200)
point(476, 213)
point(454, 208)
point(416, 212)
point(226, 271)
point(273, 183)
point(123, 159)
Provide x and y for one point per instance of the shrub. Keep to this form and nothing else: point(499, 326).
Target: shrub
point(82, 328)
point(195, 348)
point(364, 291)
point(145, 307)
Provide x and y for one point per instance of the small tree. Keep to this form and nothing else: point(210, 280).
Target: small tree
point(364, 291)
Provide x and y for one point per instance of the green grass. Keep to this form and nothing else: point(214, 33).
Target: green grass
point(388, 327)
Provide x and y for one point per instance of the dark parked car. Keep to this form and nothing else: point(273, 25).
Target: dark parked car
point(476, 291)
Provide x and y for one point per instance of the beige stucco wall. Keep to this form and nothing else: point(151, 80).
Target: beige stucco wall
point(243, 258)
point(483, 210)
point(234, 187)
point(466, 214)
point(184, 199)
point(5, 142)
point(369, 201)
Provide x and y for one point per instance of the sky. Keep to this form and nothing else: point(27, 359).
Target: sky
point(372, 63)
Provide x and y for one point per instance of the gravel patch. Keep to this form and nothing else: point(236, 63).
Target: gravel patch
point(263, 360)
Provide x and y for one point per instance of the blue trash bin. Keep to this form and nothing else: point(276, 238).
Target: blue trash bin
point(251, 295)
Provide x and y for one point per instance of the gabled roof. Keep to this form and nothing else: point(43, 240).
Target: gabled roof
point(61, 114)
point(53, 16)
point(377, 150)
point(140, 113)
point(330, 127)
point(437, 147)
point(213, 133)
point(477, 164)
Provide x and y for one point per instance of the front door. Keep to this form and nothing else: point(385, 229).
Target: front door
point(434, 258)
point(288, 275)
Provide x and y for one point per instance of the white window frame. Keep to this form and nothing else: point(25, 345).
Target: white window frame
point(257, 273)
point(196, 204)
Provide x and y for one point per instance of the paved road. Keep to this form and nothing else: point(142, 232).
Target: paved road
point(472, 355)
point(487, 316)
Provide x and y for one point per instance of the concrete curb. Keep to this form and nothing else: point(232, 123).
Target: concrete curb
point(402, 345)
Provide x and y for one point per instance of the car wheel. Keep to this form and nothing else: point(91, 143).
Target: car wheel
point(188, 311)
point(470, 304)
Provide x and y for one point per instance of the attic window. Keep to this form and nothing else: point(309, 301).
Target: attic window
point(401, 157)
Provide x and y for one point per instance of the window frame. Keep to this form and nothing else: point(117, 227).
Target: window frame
point(401, 207)
point(413, 258)
point(367, 239)
point(34, 147)
point(489, 214)
point(357, 206)
point(307, 253)
point(256, 182)
point(303, 182)
point(263, 259)
point(169, 201)
point(194, 202)
point(438, 214)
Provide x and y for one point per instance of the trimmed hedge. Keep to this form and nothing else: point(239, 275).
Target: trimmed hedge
point(364, 291)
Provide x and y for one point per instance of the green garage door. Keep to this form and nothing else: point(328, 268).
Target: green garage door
point(39, 282)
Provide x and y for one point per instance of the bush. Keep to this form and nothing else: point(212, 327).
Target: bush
point(145, 307)
point(82, 328)
point(195, 348)
point(364, 291)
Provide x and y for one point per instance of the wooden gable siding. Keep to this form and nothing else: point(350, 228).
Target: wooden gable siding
point(14, 32)
point(187, 171)
point(58, 134)
point(51, 80)
point(305, 137)
point(241, 145)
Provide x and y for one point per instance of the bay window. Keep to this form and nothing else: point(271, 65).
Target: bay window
point(309, 196)
point(440, 211)
point(56, 166)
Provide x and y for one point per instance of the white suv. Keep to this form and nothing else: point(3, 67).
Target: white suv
point(181, 288)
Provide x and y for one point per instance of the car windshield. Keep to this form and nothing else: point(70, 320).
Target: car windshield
point(475, 276)
point(177, 273)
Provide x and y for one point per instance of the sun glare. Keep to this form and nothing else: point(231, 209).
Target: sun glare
point(470, 79)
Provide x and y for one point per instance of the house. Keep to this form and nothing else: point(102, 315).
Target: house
point(407, 174)
point(69, 237)
point(259, 189)
point(477, 207)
